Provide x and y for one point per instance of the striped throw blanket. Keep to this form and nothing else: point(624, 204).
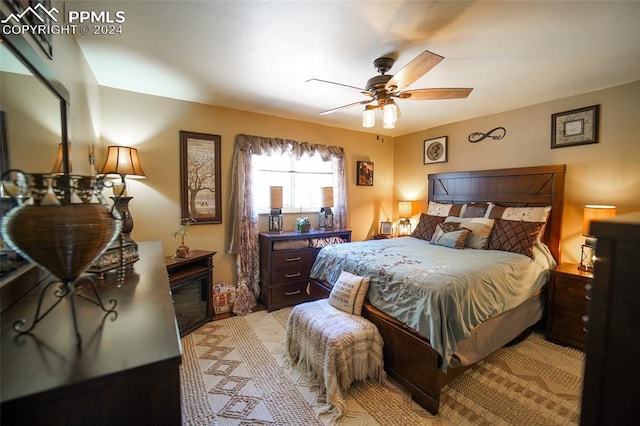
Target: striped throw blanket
point(333, 349)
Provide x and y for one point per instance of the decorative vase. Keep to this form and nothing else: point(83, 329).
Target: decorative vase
point(182, 252)
point(61, 223)
point(303, 224)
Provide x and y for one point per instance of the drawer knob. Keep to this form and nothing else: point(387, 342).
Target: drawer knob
point(292, 259)
point(292, 293)
point(297, 274)
point(585, 321)
point(588, 287)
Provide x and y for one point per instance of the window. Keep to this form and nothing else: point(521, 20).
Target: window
point(301, 180)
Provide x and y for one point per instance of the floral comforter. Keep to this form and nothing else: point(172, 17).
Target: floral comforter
point(440, 292)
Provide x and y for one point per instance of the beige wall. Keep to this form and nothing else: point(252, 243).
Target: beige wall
point(152, 124)
point(603, 173)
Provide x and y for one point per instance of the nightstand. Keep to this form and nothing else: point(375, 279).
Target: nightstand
point(567, 305)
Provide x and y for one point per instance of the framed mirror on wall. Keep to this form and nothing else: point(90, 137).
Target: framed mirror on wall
point(33, 106)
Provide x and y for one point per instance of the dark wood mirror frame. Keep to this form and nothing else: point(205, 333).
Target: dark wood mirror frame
point(20, 47)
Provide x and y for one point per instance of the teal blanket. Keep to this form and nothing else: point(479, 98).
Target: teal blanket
point(440, 292)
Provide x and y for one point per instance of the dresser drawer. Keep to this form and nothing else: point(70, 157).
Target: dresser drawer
point(571, 294)
point(285, 259)
point(289, 294)
point(292, 272)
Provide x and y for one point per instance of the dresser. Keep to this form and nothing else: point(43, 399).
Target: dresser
point(191, 281)
point(567, 305)
point(127, 370)
point(285, 263)
point(610, 394)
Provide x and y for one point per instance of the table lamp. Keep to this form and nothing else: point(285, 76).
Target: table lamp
point(325, 219)
point(592, 212)
point(405, 211)
point(275, 204)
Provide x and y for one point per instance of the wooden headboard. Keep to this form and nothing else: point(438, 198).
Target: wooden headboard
point(517, 187)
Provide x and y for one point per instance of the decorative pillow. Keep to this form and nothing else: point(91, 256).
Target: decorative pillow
point(516, 236)
point(450, 235)
point(426, 226)
point(441, 209)
point(527, 214)
point(348, 293)
point(480, 229)
point(474, 210)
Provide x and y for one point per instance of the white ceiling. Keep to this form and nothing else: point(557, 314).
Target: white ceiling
point(257, 55)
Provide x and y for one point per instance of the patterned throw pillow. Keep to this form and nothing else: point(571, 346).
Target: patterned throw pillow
point(515, 236)
point(450, 235)
point(348, 293)
point(527, 214)
point(427, 226)
point(441, 209)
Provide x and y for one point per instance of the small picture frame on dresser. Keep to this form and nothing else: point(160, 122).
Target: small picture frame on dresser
point(386, 228)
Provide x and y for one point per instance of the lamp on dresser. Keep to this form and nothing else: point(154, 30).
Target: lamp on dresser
point(404, 224)
point(122, 161)
point(592, 212)
point(325, 220)
point(58, 166)
point(275, 205)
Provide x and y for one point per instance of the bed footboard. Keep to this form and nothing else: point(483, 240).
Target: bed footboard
point(410, 360)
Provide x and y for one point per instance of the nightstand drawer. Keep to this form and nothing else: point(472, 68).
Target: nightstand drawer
point(571, 294)
point(289, 294)
point(293, 272)
point(285, 259)
point(568, 326)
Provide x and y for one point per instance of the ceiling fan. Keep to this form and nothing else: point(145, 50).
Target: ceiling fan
point(382, 89)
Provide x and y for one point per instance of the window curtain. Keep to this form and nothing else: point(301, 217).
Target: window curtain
point(243, 235)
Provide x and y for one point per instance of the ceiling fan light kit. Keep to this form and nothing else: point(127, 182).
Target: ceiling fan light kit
point(369, 116)
point(381, 89)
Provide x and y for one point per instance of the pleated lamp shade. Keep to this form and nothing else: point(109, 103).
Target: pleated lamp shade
point(122, 160)
point(58, 167)
point(595, 212)
point(326, 196)
point(275, 197)
point(404, 209)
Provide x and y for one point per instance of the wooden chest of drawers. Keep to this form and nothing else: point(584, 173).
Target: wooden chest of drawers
point(285, 263)
point(567, 305)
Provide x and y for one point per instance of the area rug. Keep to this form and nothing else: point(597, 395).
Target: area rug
point(234, 372)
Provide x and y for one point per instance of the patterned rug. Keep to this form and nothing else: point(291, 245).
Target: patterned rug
point(234, 373)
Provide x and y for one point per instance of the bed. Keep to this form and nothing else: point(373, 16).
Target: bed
point(424, 365)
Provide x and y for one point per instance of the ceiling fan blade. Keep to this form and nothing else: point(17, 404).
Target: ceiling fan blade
point(415, 69)
point(359, 89)
point(329, 111)
point(435, 94)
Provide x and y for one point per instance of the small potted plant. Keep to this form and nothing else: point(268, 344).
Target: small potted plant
point(183, 251)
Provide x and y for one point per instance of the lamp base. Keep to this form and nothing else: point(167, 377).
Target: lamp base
point(587, 257)
point(404, 227)
point(275, 222)
point(325, 219)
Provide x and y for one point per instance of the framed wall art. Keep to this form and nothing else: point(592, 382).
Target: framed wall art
point(364, 173)
point(435, 150)
point(575, 127)
point(386, 228)
point(200, 194)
